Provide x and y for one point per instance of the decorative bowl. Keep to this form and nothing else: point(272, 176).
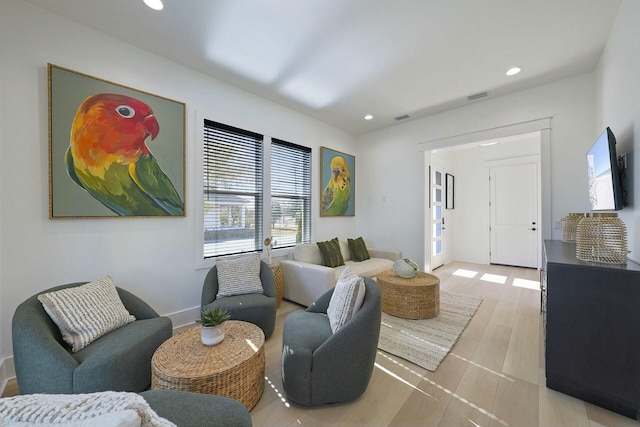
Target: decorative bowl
point(405, 268)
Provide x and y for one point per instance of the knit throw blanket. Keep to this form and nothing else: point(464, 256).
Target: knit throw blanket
point(62, 408)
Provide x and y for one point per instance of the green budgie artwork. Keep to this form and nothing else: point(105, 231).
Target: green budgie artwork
point(338, 179)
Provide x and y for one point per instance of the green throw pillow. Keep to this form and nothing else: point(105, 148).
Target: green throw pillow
point(358, 249)
point(331, 255)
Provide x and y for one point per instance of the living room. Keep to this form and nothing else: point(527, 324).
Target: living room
point(158, 258)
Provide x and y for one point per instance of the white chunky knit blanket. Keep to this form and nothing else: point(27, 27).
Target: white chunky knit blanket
point(63, 408)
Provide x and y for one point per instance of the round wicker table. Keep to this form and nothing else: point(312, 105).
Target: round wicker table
point(233, 368)
point(415, 298)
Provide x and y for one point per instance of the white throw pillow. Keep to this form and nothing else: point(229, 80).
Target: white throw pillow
point(85, 313)
point(307, 252)
point(344, 249)
point(346, 299)
point(239, 276)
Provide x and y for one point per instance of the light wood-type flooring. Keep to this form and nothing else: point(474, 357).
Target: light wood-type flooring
point(494, 375)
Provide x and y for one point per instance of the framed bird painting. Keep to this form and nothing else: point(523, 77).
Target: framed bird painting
point(114, 151)
point(338, 185)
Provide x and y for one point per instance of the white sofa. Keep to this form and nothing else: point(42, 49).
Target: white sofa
point(305, 279)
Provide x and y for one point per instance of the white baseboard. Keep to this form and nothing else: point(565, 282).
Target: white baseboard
point(7, 372)
point(180, 319)
point(183, 318)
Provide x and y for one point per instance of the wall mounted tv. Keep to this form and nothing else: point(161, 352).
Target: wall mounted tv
point(605, 188)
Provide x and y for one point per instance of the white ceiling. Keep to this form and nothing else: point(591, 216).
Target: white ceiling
point(337, 60)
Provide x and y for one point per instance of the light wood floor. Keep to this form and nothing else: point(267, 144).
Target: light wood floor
point(494, 376)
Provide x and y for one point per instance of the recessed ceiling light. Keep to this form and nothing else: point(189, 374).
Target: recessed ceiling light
point(513, 71)
point(368, 117)
point(488, 144)
point(154, 4)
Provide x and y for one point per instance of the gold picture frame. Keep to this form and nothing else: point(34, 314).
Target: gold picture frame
point(114, 169)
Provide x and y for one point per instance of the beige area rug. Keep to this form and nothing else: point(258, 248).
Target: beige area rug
point(426, 342)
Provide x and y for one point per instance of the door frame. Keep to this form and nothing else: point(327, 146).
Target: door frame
point(437, 162)
point(542, 125)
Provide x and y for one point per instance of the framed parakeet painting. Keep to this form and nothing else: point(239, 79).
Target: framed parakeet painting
point(114, 151)
point(338, 183)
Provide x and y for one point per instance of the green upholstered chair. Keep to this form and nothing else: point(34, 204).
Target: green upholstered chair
point(321, 367)
point(117, 361)
point(259, 309)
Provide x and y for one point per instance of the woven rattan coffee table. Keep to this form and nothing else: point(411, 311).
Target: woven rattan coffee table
point(233, 368)
point(415, 298)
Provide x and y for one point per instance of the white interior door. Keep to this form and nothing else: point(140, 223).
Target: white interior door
point(436, 214)
point(515, 224)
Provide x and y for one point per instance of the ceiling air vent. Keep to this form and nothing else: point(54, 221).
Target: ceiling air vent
point(477, 96)
point(402, 117)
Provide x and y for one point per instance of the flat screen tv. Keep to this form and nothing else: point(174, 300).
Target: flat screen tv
point(605, 190)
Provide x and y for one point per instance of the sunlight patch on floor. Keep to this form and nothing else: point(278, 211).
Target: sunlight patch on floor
point(527, 284)
point(449, 392)
point(465, 273)
point(494, 278)
point(471, 362)
point(402, 380)
point(278, 393)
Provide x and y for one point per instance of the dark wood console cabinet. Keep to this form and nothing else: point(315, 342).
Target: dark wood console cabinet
point(592, 328)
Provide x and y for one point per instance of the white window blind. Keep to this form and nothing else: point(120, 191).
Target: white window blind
point(233, 202)
point(290, 193)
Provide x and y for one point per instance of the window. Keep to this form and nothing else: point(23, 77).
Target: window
point(290, 193)
point(233, 202)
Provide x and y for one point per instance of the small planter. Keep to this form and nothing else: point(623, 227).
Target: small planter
point(212, 335)
point(212, 320)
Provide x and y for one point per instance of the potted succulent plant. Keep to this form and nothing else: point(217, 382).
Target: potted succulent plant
point(212, 320)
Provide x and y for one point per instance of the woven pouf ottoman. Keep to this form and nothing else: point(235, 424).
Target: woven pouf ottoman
point(414, 298)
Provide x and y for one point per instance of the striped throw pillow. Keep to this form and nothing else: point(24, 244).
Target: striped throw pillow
point(239, 276)
point(85, 313)
point(346, 300)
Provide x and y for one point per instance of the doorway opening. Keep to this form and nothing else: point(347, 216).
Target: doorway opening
point(467, 234)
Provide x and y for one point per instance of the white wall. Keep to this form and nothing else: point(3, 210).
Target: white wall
point(618, 101)
point(394, 189)
point(154, 258)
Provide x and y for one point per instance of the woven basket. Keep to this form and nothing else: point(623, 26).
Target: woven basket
point(602, 237)
point(570, 226)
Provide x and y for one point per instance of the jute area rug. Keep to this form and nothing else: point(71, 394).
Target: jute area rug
point(426, 342)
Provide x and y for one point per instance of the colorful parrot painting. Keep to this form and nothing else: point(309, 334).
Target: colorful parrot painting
point(109, 158)
point(337, 193)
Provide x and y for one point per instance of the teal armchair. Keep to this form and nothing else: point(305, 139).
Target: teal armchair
point(320, 367)
point(259, 309)
point(118, 361)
